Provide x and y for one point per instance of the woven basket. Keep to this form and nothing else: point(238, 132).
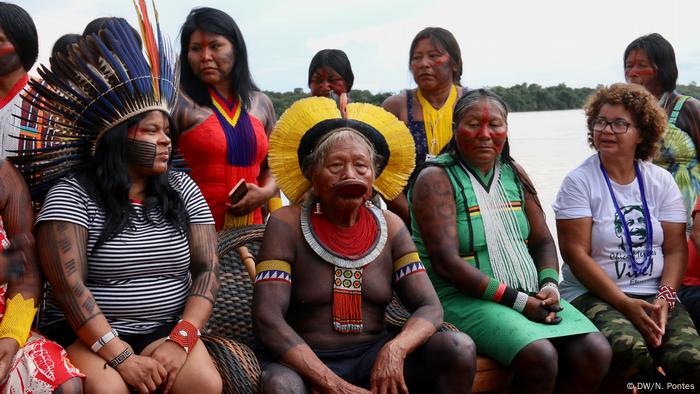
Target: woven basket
point(229, 330)
point(239, 369)
point(232, 317)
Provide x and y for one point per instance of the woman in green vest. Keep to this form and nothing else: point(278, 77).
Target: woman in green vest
point(482, 236)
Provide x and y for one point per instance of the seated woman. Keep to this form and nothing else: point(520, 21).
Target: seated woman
point(28, 361)
point(435, 61)
point(128, 246)
point(330, 73)
point(621, 227)
point(482, 236)
point(225, 131)
point(328, 267)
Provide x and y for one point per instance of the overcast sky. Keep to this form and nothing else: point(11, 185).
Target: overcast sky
point(579, 43)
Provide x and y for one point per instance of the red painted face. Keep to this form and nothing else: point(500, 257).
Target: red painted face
point(345, 178)
point(9, 59)
point(431, 66)
point(326, 80)
point(211, 57)
point(481, 134)
point(640, 70)
point(148, 145)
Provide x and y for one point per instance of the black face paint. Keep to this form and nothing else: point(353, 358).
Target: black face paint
point(141, 153)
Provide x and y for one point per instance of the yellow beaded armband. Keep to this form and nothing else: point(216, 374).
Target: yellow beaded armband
point(274, 204)
point(18, 318)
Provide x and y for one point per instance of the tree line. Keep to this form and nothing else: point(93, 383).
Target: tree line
point(522, 97)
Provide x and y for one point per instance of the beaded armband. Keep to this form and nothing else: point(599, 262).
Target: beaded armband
point(668, 293)
point(274, 204)
point(548, 275)
point(103, 340)
point(406, 265)
point(121, 357)
point(18, 318)
point(273, 270)
point(184, 334)
point(498, 292)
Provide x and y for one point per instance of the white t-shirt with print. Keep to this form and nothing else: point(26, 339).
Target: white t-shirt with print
point(584, 193)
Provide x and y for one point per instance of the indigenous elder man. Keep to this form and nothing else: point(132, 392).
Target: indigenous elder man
point(327, 268)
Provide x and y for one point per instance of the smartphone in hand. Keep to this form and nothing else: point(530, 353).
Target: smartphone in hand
point(238, 192)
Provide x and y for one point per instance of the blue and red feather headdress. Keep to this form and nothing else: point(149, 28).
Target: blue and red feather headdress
point(91, 87)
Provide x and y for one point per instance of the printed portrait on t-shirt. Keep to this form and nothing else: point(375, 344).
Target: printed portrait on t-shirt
point(633, 216)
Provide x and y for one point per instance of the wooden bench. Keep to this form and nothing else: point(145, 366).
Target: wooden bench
point(229, 331)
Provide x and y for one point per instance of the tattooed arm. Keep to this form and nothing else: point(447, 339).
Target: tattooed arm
point(188, 114)
point(204, 266)
point(20, 268)
point(261, 107)
point(63, 257)
point(436, 213)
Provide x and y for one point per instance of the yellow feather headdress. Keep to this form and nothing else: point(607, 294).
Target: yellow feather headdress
point(301, 126)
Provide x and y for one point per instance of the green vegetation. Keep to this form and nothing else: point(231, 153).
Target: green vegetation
point(523, 97)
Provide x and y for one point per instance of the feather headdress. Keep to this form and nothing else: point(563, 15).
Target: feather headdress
point(303, 124)
point(90, 88)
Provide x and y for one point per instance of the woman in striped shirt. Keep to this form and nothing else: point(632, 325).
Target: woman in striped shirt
point(128, 247)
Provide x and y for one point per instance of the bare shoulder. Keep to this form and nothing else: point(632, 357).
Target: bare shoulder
point(396, 104)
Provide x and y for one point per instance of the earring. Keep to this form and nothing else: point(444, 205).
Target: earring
point(318, 211)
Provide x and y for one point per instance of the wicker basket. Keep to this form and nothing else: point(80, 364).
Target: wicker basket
point(229, 330)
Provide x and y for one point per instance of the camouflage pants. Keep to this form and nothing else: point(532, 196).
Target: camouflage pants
point(678, 355)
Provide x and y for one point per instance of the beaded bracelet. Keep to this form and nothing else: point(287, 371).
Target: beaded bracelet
point(667, 293)
point(548, 275)
point(121, 357)
point(184, 334)
point(552, 286)
point(103, 340)
point(505, 295)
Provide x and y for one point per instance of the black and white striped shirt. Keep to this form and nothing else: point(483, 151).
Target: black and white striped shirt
point(140, 278)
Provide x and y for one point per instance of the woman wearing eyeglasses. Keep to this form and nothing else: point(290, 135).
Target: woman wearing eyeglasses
point(621, 226)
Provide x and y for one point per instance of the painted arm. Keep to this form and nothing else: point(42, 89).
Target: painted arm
point(188, 114)
point(417, 294)
point(542, 249)
point(204, 266)
point(575, 246)
point(270, 303)
point(18, 265)
point(435, 211)
point(63, 257)
point(21, 270)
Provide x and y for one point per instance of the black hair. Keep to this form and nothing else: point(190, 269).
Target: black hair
point(661, 53)
point(21, 32)
point(211, 20)
point(64, 42)
point(106, 180)
point(465, 102)
point(97, 24)
point(336, 60)
point(444, 39)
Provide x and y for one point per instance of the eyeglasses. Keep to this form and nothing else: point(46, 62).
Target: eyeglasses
point(618, 126)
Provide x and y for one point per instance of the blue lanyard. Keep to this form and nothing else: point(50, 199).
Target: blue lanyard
point(638, 268)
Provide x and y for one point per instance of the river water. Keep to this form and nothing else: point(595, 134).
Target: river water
point(548, 144)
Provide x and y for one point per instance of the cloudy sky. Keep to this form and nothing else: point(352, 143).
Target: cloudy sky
point(505, 42)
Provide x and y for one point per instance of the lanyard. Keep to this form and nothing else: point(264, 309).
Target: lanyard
point(638, 268)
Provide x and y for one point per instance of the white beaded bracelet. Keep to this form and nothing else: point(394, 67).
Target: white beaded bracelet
point(520, 302)
point(554, 287)
point(104, 340)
